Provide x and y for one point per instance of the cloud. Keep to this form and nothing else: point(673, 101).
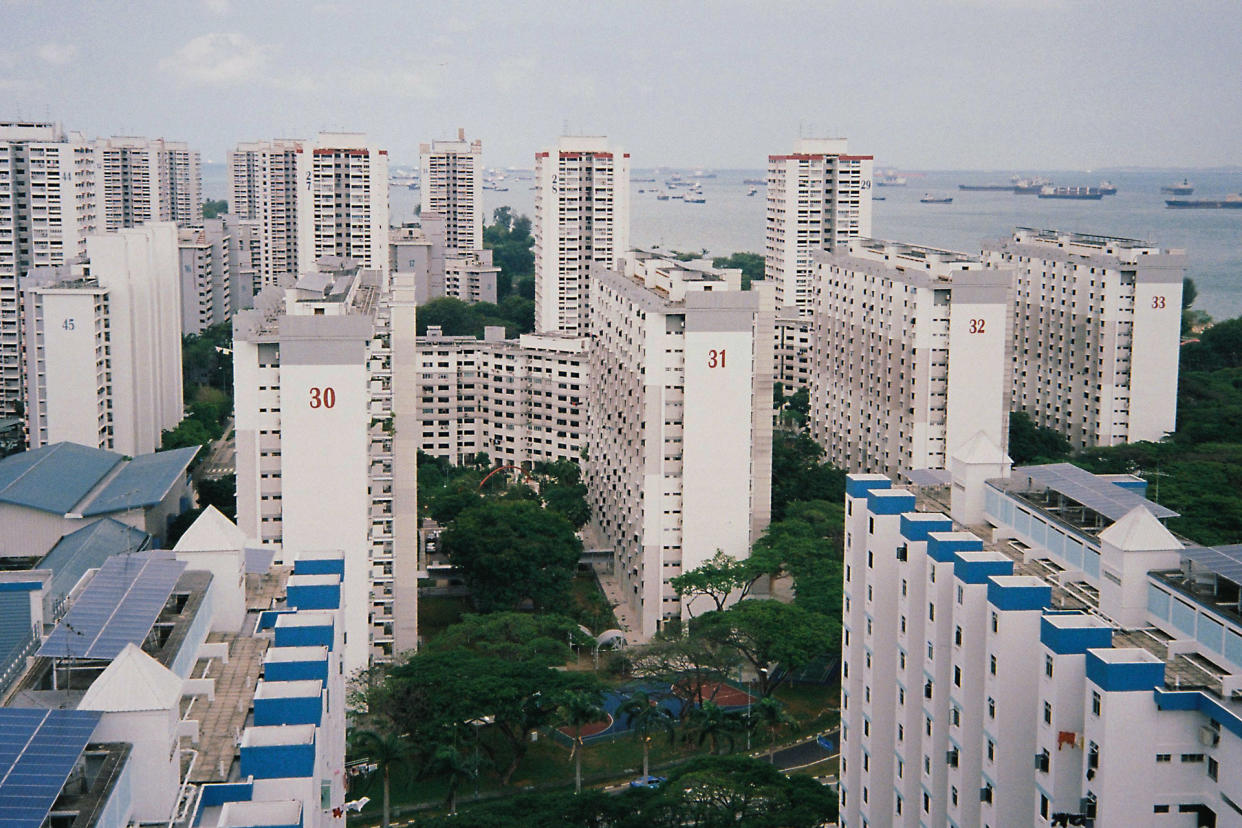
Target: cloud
point(57, 54)
point(218, 59)
point(218, 6)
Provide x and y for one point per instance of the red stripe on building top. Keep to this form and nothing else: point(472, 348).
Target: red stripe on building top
point(383, 152)
point(625, 155)
point(857, 157)
point(541, 155)
point(797, 156)
point(575, 154)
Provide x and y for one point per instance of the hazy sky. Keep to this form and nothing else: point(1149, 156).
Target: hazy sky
point(965, 84)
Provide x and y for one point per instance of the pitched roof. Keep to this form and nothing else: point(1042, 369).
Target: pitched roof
point(86, 549)
point(210, 532)
point(1139, 531)
point(143, 481)
point(133, 681)
point(980, 449)
point(54, 478)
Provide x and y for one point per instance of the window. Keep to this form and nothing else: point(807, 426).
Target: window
point(926, 802)
point(1043, 806)
point(1047, 713)
point(1048, 666)
point(930, 650)
point(931, 612)
point(899, 804)
point(1192, 757)
point(870, 559)
point(992, 665)
point(953, 795)
point(995, 623)
point(866, 762)
point(927, 720)
point(1213, 768)
point(1164, 757)
point(1095, 703)
point(991, 708)
point(903, 623)
point(901, 733)
point(960, 591)
point(957, 676)
point(991, 750)
point(1160, 809)
point(957, 636)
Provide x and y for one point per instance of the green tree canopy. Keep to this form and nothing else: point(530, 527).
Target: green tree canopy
point(1029, 443)
point(515, 636)
point(751, 265)
point(798, 474)
point(773, 637)
point(511, 552)
point(716, 579)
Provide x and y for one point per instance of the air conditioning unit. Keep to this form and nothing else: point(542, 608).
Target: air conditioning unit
point(1208, 736)
point(902, 554)
point(950, 758)
point(985, 794)
point(1042, 761)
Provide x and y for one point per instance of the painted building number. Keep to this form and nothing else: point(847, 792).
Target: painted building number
point(977, 326)
point(69, 324)
point(716, 359)
point(322, 397)
point(1157, 302)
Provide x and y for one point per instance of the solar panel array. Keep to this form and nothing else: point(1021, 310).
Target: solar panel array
point(118, 607)
point(38, 750)
point(1081, 486)
point(1225, 561)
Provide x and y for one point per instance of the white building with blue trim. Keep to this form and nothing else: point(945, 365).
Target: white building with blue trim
point(1034, 647)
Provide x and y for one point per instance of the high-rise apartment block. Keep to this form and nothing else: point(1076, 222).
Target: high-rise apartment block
point(819, 197)
point(911, 355)
point(342, 201)
point(1034, 648)
point(451, 185)
point(519, 401)
point(582, 221)
point(1096, 326)
point(145, 179)
point(103, 346)
point(327, 439)
point(263, 187)
point(206, 273)
point(679, 424)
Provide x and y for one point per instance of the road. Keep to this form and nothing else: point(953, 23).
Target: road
point(223, 458)
point(805, 753)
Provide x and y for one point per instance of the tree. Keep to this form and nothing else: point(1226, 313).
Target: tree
point(643, 715)
point(1029, 443)
point(716, 578)
point(739, 791)
point(1189, 292)
point(807, 546)
point(769, 634)
point(211, 208)
point(751, 265)
point(451, 761)
point(511, 552)
point(220, 492)
point(712, 722)
point(798, 474)
point(770, 715)
point(577, 709)
point(513, 636)
point(693, 667)
point(387, 751)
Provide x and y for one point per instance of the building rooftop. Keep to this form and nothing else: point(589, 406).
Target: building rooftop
point(39, 749)
point(1087, 502)
point(133, 681)
point(87, 548)
point(144, 481)
point(54, 478)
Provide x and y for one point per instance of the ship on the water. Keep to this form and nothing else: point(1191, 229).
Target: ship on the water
point(1030, 186)
point(1233, 201)
point(928, 198)
point(1185, 188)
point(758, 182)
point(1078, 193)
point(889, 178)
point(1107, 188)
point(975, 188)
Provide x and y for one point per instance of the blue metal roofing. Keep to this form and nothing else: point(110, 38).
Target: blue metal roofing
point(87, 549)
point(1096, 493)
point(118, 607)
point(38, 751)
point(143, 481)
point(54, 478)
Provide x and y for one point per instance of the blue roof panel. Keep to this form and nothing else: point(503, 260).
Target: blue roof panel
point(54, 478)
point(118, 607)
point(86, 549)
point(38, 751)
point(144, 481)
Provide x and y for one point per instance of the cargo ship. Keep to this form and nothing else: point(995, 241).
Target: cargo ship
point(758, 182)
point(928, 198)
point(975, 188)
point(1108, 188)
point(1030, 186)
point(1233, 201)
point(1185, 188)
point(1078, 193)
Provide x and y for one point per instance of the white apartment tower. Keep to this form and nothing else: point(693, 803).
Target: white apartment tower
point(342, 201)
point(520, 401)
point(47, 206)
point(911, 355)
point(147, 179)
point(1096, 327)
point(582, 221)
point(263, 187)
point(1035, 647)
point(679, 424)
point(206, 273)
point(327, 440)
point(103, 348)
point(819, 197)
point(450, 184)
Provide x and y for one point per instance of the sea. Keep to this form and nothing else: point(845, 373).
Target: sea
point(732, 220)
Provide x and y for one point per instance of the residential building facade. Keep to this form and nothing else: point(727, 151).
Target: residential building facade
point(450, 183)
point(679, 424)
point(1096, 329)
point(582, 221)
point(206, 276)
point(263, 187)
point(342, 199)
point(818, 198)
point(911, 355)
point(147, 179)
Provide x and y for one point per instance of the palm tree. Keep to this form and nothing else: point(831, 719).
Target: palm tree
point(771, 716)
point(644, 715)
point(712, 722)
point(386, 751)
point(578, 708)
point(451, 760)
